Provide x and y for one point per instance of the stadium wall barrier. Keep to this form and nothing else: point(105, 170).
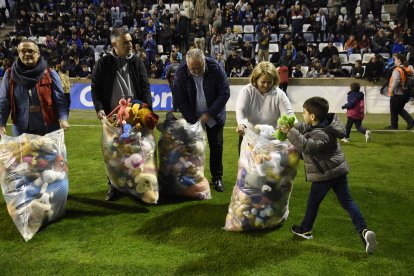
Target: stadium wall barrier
point(334, 90)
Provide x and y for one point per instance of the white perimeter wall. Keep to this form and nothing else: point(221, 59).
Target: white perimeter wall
point(336, 95)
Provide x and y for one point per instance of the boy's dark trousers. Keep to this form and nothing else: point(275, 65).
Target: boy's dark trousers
point(340, 187)
point(358, 125)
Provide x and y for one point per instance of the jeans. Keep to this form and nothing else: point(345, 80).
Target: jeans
point(397, 103)
point(340, 187)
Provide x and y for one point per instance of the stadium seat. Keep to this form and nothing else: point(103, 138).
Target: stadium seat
point(343, 57)
point(343, 11)
point(160, 49)
point(322, 45)
point(308, 36)
point(238, 29)
point(339, 46)
point(249, 29)
point(174, 7)
point(248, 37)
point(304, 70)
point(273, 38)
point(385, 17)
point(358, 10)
point(367, 57)
point(385, 56)
point(370, 17)
point(354, 57)
point(348, 68)
point(305, 27)
point(273, 48)
point(99, 48)
point(167, 6)
point(164, 58)
point(41, 40)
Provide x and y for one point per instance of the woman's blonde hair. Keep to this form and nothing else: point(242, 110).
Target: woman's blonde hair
point(264, 68)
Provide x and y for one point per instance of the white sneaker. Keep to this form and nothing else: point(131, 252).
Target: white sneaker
point(370, 241)
point(345, 140)
point(367, 136)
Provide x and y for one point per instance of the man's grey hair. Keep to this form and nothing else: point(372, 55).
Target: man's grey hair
point(196, 54)
point(27, 40)
point(117, 32)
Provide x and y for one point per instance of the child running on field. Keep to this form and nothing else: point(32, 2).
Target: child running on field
point(355, 112)
point(325, 167)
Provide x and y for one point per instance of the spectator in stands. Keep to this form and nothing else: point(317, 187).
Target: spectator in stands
point(203, 97)
point(87, 55)
point(160, 66)
point(261, 101)
point(334, 66)
point(188, 10)
point(379, 42)
point(119, 75)
point(218, 20)
point(165, 38)
point(233, 64)
point(398, 46)
point(166, 16)
point(351, 45)
point(199, 31)
point(297, 20)
point(171, 69)
point(219, 58)
point(312, 72)
point(364, 45)
point(150, 46)
point(29, 107)
point(248, 53)
point(230, 40)
point(217, 46)
point(301, 58)
point(300, 42)
point(182, 31)
point(297, 71)
point(374, 69)
point(264, 41)
point(289, 48)
point(398, 98)
point(408, 37)
point(327, 52)
point(357, 70)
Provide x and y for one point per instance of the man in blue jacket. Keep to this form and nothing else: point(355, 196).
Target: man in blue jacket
point(32, 95)
point(201, 93)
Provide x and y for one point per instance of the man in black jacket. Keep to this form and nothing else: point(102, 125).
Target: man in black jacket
point(118, 75)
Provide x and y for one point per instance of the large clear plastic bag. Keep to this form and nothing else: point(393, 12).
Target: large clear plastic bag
point(182, 156)
point(130, 161)
point(265, 177)
point(34, 179)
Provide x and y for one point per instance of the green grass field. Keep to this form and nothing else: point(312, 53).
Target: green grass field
point(185, 237)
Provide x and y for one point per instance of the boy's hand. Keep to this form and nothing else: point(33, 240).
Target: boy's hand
point(285, 128)
point(240, 129)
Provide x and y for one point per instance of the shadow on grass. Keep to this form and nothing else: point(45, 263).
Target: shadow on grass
point(104, 207)
point(198, 229)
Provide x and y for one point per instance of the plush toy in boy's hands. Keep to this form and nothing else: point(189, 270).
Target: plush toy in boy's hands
point(284, 121)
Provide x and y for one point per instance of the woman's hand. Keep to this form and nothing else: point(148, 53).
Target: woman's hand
point(240, 129)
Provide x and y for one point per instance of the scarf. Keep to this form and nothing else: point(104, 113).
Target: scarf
point(28, 76)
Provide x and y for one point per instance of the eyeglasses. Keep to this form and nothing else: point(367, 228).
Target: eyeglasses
point(28, 51)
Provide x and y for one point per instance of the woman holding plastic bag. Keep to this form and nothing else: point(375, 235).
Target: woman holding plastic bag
point(267, 166)
point(182, 157)
point(261, 103)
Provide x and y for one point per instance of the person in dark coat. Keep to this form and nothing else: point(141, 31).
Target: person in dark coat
point(120, 74)
point(201, 92)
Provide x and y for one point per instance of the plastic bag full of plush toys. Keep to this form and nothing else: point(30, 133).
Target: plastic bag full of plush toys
point(129, 150)
point(266, 170)
point(182, 156)
point(34, 179)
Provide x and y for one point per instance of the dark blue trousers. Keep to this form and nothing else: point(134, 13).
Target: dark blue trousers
point(318, 192)
point(215, 141)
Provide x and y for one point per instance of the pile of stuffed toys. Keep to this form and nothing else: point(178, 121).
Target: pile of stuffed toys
point(34, 179)
point(267, 168)
point(182, 156)
point(129, 150)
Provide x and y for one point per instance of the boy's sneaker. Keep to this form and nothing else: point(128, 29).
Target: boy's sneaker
point(345, 140)
point(298, 231)
point(367, 136)
point(370, 240)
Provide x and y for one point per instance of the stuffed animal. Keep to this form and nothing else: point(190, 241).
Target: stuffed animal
point(147, 118)
point(266, 131)
point(133, 118)
point(284, 120)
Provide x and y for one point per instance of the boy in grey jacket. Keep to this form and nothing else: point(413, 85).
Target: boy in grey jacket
point(325, 167)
